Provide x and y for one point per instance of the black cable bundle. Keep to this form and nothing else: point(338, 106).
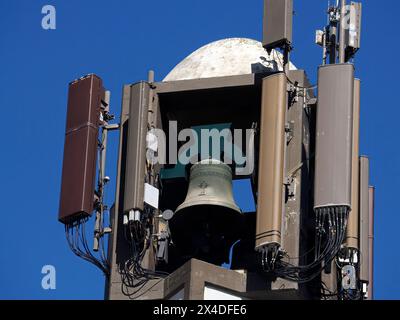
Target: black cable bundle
point(331, 223)
point(327, 294)
point(350, 295)
point(140, 237)
point(76, 237)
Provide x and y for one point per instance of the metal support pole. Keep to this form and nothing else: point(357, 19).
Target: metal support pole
point(151, 113)
point(286, 60)
point(98, 229)
point(333, 44)
point(342, 43)
point(324, 46)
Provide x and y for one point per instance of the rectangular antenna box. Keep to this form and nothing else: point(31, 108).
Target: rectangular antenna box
point(333, 157)
point(80, 148)
point(135, 162)
point(278, 23)
point(353, 27)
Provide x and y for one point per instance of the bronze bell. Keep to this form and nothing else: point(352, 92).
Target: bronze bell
point(207, 223)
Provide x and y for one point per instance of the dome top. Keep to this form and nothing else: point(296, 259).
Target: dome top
point(227, 57)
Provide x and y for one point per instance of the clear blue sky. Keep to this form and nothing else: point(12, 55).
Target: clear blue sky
point(121, 40)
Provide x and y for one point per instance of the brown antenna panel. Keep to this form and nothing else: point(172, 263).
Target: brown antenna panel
point(80, 148)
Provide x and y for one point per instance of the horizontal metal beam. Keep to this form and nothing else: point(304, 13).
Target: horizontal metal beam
point(208, 83)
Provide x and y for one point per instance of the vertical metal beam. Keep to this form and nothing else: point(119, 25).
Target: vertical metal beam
point(333, 43)
point(101, 179)
point(271, 160)
point(352, 236)
point(324, 46)
point(364, 218)
point(130, 182)
point(298, 209)
point(151, 112)
point(342, 39)
point(117, 246)
point(371, 243)
point(136, 150)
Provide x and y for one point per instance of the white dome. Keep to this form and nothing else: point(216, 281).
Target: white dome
point(228, 57)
